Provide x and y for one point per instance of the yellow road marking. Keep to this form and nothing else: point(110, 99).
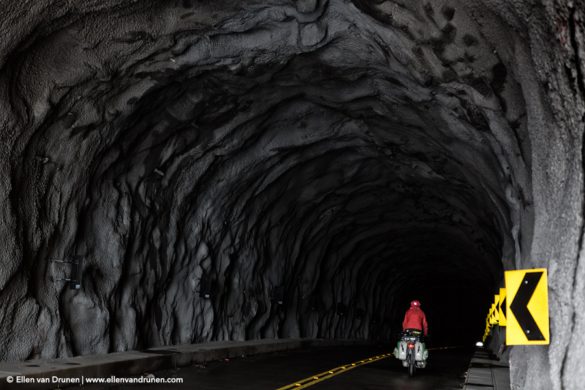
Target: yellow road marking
point(313, 380)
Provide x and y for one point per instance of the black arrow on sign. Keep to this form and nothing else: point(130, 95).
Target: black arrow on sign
point(520, 303)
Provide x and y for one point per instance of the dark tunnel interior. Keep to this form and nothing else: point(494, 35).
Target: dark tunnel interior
point(272, 170)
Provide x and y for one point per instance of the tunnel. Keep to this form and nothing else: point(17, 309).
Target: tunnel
point(288, 169)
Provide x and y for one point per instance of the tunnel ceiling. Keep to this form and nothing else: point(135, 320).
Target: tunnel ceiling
point(254, 169)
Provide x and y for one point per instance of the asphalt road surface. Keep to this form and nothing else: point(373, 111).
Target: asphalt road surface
point(445, 371)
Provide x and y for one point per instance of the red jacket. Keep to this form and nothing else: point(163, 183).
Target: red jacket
point(415, 319)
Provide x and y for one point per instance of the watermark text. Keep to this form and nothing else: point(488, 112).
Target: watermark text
point(82, 380)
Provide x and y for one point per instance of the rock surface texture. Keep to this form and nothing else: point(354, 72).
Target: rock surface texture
point(261, 169)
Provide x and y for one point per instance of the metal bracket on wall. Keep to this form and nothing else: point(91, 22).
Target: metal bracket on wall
point(74, 278)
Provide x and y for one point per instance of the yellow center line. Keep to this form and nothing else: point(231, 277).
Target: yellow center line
point(314, 379)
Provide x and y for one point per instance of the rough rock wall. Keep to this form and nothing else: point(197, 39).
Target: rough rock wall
point(254, 169)
point(554, 33)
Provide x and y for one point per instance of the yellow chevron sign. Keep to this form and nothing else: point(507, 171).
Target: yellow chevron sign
point(502, 307)
point(527, 307)
point(496, 311)
point(492, 317)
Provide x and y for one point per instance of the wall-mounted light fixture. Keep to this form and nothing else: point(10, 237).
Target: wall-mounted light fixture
point(340, 309)
point(206, 286)
point(42, 159)
point(278, 295)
